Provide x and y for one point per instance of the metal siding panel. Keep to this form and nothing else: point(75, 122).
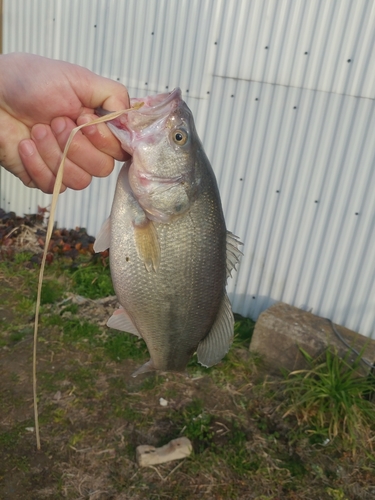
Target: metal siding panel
point(273, 96)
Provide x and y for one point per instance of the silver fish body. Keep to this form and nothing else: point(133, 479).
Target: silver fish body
point(170, 252)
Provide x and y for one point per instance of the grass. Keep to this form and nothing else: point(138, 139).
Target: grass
point(331, 399)
point(251, 439)
point(92, 280)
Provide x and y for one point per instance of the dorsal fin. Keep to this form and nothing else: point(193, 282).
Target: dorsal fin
point(233, 252)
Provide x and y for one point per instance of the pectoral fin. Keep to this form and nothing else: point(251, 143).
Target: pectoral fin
point(233, 252)
point(102, 241)
point(121, 321)
point(219, 339)
point(147, 244)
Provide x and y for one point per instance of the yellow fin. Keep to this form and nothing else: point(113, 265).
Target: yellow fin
point(147, 244)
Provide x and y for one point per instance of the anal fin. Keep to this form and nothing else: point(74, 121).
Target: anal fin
point(147, 367)
point(216, 344)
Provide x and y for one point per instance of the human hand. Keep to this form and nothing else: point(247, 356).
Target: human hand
point(41, 101)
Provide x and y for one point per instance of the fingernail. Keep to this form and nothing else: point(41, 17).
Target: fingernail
point(39, 132)
point(58, 125)
point(26, 147)
point(89, 130)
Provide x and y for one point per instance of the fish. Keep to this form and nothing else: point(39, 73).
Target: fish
point(170, 252)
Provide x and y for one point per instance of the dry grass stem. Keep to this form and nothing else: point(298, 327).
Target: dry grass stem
point(51, 221)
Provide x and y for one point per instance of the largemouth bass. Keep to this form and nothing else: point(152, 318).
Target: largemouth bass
point(170, 252)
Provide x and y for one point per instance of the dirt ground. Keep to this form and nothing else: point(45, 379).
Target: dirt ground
point(93, 414)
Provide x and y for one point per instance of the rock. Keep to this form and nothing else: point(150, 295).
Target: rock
point(175, 450)
point(282, 329)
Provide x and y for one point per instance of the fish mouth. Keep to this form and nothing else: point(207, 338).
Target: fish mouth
point(154, 104)
point(144, 123)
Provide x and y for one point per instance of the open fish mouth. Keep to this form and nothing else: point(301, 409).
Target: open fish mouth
point(155, 104)
point(151, 105)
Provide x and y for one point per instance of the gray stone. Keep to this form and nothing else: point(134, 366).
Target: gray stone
point(282, 329)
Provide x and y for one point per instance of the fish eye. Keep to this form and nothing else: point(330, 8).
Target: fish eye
point(180, 137)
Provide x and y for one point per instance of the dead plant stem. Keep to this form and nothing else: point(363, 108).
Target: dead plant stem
point(51, 221)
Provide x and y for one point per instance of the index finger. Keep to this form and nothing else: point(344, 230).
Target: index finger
point(102, 138)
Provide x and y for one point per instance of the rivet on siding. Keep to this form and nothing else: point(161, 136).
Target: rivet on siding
point(94, 25)
point(316, 201)
point(241, 179)
point(118, 79)
point(256, 99)
point(208, 91)
point(278, 191)
point(232, 95)
point(152, 33)
point(187, 91)
point(146, 83)
point(254, 297)
point(306, 53)
point(215, 43)
point(349, 60)
point(166, 86)
point(357, 213)
point(295, 107)
point(266, 47)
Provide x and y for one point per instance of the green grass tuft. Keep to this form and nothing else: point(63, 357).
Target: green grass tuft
point(331, 400)
point(120, 345)
point(92, 281)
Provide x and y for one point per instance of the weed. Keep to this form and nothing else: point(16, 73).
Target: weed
point(19, 335)
point(92, 281)
point(72, 308)
point(196, 424)
point(76, 330)
point(22, 257)
point(52, 291)
point(25, 305)
point(150, 382)
point(329, 399)
point(336, 494)
point(14, 377)
point(59, 416)
point(76, 438)
point(83, 377)
point(10, 438)
point(243, 331)
point(241, 462)
point(119, 346)
point(127, 413)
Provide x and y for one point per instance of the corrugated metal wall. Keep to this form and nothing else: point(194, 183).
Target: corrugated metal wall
point(283, 93)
